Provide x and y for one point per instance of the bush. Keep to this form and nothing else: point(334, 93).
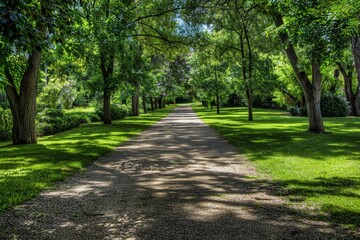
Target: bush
point(297, 111)
point(51, 121)
point(334, 105)
point(117, 111)
point(5, 124)
point(294, 111)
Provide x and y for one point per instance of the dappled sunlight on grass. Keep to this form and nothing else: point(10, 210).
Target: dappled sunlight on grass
point(27, 169)
point(320, 169)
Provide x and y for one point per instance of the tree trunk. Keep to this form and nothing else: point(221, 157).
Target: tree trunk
point(107, 68)
point(135, 105)
point(144, 103)
point(249, 98)
point(355, 45)
point(312, 90)
point(23, 104)
point(135, 100)
point(152, 103)
point(312, 98)
point(107, 107)
point(155, 103)
point(352, 98)
point(160, 102)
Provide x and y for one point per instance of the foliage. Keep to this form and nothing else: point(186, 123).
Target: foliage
point(294, 111)
point(49, 97)
point(68, 95)
point(51, 121)
point(320, 170)
point(5, 124)
point(27, 170)
point(334, 105)
point(117, 111)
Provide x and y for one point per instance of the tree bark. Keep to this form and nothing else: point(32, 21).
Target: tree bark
point(107, 68)
point(144, 103)
point(160, 102)
point(23, 104)
point(155, 103)
point(135, 100)
point(250, 100)
point(355, 45)
point(312, 90)
point(312, 98)
point(107, 108)
point(352, 98)
point(152, 103)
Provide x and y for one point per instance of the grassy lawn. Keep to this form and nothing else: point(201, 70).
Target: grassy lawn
point(320, 169)
point(80, 110)
point(25, 170)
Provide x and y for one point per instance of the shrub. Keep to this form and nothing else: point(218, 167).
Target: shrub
point(51, 121)
point(334, 105)
point(117, 111)
point(294, 111)
point(5, 124)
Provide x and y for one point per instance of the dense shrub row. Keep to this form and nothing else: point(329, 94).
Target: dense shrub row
point(52, 120)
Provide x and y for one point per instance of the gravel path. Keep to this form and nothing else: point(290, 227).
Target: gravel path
point(177, 180)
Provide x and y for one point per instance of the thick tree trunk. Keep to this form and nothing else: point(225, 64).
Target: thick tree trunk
point(144, 103)
point(312, 98)
point(107, 108)
point(23, 104)
point(152, 103)
point(250, 100)
point(312, 90)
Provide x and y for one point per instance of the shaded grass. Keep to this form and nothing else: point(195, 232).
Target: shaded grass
point(320, 169)
point(25, 170)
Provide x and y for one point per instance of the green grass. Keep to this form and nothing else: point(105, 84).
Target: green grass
point(80, 110)
point(320, 169)
point(25, 170)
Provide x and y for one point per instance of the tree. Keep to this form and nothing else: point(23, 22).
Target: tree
point(306, 24)
point(26, 29)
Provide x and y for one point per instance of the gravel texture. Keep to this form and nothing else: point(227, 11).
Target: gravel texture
point(177, 180)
